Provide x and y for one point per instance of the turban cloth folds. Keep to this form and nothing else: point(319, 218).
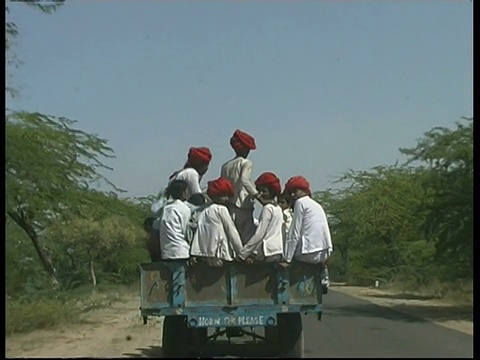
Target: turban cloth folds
point(241, 141)
point(271, 180)
point(297, 182)
point(199, 156)
point(220, 187)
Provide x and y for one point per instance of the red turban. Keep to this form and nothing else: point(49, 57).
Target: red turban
point(199, 156)
point(297, 182)
point(241, 141)
point(271, 180)
point(220, 187)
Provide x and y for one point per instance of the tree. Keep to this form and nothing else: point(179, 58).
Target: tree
point(49, 166)
point(51, 170)
point(446, 159)
point(372, 218)
point(95, 238)
point(413, 221)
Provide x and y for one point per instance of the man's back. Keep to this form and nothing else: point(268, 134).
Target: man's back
point(216, 234)
point(238, 170)
point(314, 233)
point(173, 227)
point(192, 178)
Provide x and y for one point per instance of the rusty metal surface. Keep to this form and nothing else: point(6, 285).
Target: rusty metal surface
point(230, 285)
point(254, 283)
point(205, 284)
point(155, 281)
point(303, 283)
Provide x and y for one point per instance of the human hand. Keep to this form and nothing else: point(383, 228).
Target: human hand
point(325, 262)
point(192, 260)
point(258, 197)
point(249, 261)
point(284, 264)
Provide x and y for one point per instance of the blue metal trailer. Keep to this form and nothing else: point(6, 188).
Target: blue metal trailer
point(235, 300)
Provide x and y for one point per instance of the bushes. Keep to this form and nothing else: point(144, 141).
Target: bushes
point(42, 309)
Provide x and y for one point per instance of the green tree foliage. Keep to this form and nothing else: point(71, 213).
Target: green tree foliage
point(49, 166)
point(373, 218)
point(98, 241)
point(446, 159)
point(23, 273)
point(52, 170)
point(412, 222)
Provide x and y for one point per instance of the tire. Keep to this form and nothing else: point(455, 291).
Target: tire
point(198, 337)
point(175, 337)
point(180, 341)
point(290, 335)
point(271, 335)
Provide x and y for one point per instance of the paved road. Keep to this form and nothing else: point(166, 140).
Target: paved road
point(355, 328)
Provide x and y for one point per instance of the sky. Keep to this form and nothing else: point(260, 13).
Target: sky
point(323, 86)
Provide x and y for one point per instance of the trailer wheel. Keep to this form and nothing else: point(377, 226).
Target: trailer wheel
point(175, 336)
point(271, 335)
point(290, 335)
point(198, 337)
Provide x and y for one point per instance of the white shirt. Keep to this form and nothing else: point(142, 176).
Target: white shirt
point(309, 232)
point(191, 177)
point(216, 235)
point(239, 172)
point(173, 227)
point(268, 236)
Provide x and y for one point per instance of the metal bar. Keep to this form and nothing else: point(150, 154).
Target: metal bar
point(283, 286)
point(232, 283)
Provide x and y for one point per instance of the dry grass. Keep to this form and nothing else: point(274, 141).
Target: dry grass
point(25, 315)
point(460, 293)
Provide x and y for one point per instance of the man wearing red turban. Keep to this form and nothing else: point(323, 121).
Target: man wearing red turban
point(297, 182)
point(266, 244)
point(216, 237)
point(198, 160)
point(309, 237)
point(239, 170)
point(271, 182)
point(220, 187)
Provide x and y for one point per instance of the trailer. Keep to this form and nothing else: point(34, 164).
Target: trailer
point(202, 304)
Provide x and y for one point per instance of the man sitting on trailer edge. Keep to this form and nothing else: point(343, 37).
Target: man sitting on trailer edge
point(266, 244)
point(216, 238)
point(309, 237)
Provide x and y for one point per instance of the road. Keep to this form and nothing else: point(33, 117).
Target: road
point(350, 328)
point(355, 328)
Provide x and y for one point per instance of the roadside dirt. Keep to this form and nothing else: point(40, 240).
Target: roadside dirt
point(118, 331)
point(455, 316)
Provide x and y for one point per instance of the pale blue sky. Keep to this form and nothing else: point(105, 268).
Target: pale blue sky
point(323, 86)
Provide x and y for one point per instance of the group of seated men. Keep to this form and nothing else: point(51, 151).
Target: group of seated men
point(218, 225)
